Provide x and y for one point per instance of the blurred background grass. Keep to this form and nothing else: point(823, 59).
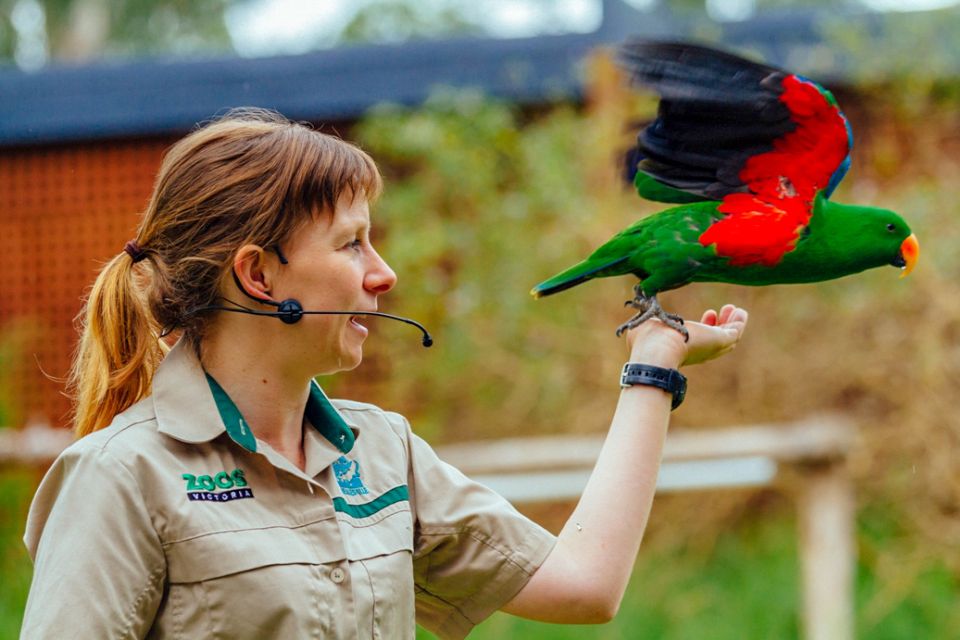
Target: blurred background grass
point(484, 200)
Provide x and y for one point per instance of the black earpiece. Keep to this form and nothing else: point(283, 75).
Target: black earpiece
point(290, 311)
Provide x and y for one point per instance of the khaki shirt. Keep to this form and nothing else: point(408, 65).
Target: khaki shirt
point(176, 522)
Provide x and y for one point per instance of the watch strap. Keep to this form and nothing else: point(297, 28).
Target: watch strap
point(670, 380)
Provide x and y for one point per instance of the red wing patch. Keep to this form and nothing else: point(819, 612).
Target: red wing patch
point(763, 225)
point(808, 155)
point(755, 231)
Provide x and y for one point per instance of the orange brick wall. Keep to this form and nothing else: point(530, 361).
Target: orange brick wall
point(64, 210)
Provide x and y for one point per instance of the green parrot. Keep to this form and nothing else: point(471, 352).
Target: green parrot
point(751, 154)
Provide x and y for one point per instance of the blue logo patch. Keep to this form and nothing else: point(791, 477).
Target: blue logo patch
point(348, 477)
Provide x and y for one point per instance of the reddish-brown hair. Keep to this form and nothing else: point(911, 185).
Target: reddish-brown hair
point(251, 176)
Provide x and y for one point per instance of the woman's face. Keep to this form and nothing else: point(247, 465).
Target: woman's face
point(333, 267)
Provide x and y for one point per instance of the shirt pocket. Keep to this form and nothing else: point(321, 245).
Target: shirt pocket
point(272, 582)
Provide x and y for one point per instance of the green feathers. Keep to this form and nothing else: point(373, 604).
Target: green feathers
point(665, 250)
point(576, 274)
point(650, 189)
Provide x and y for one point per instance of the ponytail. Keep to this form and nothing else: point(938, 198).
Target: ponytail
point(119, 348)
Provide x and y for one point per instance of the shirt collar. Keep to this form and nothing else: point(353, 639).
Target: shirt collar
point(192, 407)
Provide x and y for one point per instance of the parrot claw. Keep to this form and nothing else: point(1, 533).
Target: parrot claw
point(650, 308)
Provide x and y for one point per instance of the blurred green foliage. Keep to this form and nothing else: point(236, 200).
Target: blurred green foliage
point(399, 20)
point(908, 52)
point(480, 206)
point(15, 338)
point(849, 39)
point(81, 29)
point(16, 489)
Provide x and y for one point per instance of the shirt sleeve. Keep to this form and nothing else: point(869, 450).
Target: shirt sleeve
point(473, 552)
point(99, 566)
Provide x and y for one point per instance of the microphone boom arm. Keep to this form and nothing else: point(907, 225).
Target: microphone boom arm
point(291, 315)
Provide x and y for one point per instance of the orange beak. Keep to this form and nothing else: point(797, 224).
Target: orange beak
point(910, 252)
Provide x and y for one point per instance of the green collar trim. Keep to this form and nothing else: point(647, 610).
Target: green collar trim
point(237, 428)
point(327, 420)
point(397, 494)
point(320, 413)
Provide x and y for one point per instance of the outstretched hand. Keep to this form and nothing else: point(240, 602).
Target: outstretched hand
point(716, 334)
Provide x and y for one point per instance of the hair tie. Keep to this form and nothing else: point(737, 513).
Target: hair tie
point(134, 251)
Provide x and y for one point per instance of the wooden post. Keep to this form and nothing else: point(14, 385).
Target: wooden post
point(827, 550)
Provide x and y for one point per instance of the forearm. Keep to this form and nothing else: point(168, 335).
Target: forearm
point(584, 577)
point(604, 532)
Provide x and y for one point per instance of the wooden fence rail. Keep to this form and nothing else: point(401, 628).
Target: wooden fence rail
point(34, 444)
point(542, 469)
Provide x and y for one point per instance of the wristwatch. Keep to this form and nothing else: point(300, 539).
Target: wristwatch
point(670, 380)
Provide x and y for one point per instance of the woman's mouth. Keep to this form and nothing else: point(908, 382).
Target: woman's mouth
point(355, 323)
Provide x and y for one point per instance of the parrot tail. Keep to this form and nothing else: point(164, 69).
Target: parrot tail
point(572, 277)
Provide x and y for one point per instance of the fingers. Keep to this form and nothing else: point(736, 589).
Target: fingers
point(728, 314)
point(738, 317)
point(717, 335)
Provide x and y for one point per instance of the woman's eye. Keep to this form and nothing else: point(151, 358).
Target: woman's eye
point(353, 244)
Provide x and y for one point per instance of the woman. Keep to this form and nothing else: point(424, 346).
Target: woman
point(216, 491)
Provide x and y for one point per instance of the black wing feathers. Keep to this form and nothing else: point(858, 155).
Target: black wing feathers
point(716, 111)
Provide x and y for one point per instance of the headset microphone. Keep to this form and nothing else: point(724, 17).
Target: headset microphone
point(290, 311)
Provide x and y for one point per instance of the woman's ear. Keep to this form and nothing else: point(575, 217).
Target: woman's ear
point(254, 272)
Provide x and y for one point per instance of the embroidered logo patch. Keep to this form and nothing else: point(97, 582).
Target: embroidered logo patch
point(348, 477)
point(220, 487)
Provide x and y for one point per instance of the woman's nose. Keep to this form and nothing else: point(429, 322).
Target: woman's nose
point(380, 278)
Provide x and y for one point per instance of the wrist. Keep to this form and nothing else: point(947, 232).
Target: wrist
point(669, 380)
point(658, 355)
point(660, 346)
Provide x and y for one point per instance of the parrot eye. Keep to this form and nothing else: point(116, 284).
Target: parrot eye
point(891, 227)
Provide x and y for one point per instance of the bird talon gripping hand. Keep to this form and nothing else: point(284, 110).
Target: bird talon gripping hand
point(750, 154)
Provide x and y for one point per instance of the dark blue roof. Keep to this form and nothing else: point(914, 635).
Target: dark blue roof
point(66, 103)
point(156, 97)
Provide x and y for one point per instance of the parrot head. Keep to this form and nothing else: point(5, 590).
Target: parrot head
point(867, 237)
point(895, 241)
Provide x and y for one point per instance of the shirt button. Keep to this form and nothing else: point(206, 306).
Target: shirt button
point(338, 575)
